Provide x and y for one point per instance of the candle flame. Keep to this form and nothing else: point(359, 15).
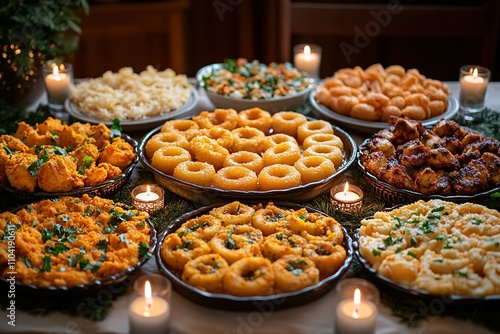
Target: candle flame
point(307, 49)
point(148, 189)
point(55, 70)
point(357, 302)
point(474, 73)
point(346, 188)
point(149, 298)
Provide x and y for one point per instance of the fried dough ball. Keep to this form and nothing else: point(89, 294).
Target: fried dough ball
point(235, 178)
point(234, 213)
point(248, 139)
point(332, 153)
point(222, 136)
point(279, 244)
point(59, 174)
point(343, 104)
point(166, 158)
point(287, 122)
point(257, 118)
point(365, 112)
point(246, 159)
point(162, 139)
point(311, 127)
point(327, 256)
point(226, 118)
point(314, 168)
point(208, 150)
point(188, 128)
point(177, 251)
point(294, 272)
point(286, 153)
point(323, 139)
point(278, 176)
point(119, 153)
point(196, 172)
point(18, 175)
point(251, 276)
point(98, 174)
point(203, 227)
point(233, 247)
point(270, 219)
point(205, 272)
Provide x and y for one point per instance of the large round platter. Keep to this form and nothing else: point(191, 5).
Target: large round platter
point(229, 302)
point(323, 112)
point(289, 102)
point(455, 299)
point(105, 189)
point(81, 289)
point(139, 124)
point(208, 195)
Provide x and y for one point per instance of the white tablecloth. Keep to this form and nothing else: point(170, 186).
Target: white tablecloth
point(187, 317)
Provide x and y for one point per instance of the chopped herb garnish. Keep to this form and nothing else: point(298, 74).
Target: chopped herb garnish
point(47, 264)
point(412, 254)
point(27, 261)
point(144, 250)
point(74, 259)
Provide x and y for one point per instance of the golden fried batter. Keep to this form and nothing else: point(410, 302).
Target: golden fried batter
point(59, 174)
point(16, 169)
point(119, 153)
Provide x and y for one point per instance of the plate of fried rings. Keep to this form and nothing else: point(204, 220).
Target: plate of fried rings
point(239, 256)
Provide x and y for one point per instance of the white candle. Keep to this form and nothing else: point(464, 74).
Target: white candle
point(147, 196)
point(472, 90)
point(58, 86)
point(346, 195)
point(355, 316)
point(149, 314)
point(308, 61)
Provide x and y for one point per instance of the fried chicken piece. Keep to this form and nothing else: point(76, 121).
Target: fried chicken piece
point(430, 139)
point(119, 153)
point(412, 154)
point(441, 158)
point(386, 134)
point(85, 150)
point(100, 173)
point(41, 150)
point(31, 137)
point(397, 175)
point(101, 133)
point(446, 128)
point(472, 137)
point(59, 174)
point(71, 137)
point(471, 178)
point(50, 125)
point(428, 181)
point(16, 169)
point(406, 129)
point(9, 145)
point(492, 163)
point(374, 162)
point(452, 144)
point(485, 145)
point(382, 144)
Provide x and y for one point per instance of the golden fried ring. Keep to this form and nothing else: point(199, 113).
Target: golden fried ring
point(235, 178)
point(314, 168)
point(176, 251)
point(234, 213)
point(327, 257)
point(187, 127)
point(270, 219)
point(203, 227)
point(332, 153)
point(208, 150)
point(279, 244)
point(312, 127)
point(278, 177)
point(257, 118)
point(311, 222)
point(251, 276)
point(166, 158)
point(205, 272)
point(233, 247)
point(276, 139)
point(248, 232)
point(196, 172)
point(162, 139)
point(222, 136)
point(248, 139)
point(323, 139)
point(294, 272)
point(226, 118)
point(250, 160)
point(286, 153)
point(287, 122)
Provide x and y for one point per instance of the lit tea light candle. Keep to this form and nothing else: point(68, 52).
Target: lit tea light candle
point(347, 198)
point(148, 198)
point(147, 195)
point(356, 316)
point(347, 195)
point(58, 86)
point(149, 314)
point(473, 89)
point(308, 59)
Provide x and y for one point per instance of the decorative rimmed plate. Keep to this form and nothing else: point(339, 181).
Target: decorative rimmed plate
point(105, 189)
point(139, 124)
point(81, 289)
point(414, 291)
point(208, 195)
point(323, 112)
point(393, 195)
point(230, 302)
point(289, 102)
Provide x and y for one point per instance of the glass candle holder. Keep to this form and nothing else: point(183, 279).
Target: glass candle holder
point(473, 84)
point(356, 306)
point(150, 307)
point(58, 79)
point(347, 198)
point(148, 197)
point(307, 58)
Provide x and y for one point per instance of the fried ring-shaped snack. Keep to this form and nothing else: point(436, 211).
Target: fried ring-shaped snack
point(327, 256)
point(311, 222)
point(208, 150)
point(234, 213)
point(166, 158)
point(233, 247)
point(270, 219)
point(279, 244)
point(278, 177)
point(176, 251)
point(249, 233)
point(235, 178)
point(294, 272)
point(332, 153)
point(187, 127)
point(257, 118)
point(222, 136)
point(203, 227)
point(286, 153)
point(226, 118)
point(248, 139)
point(205, 272)
point(277, 139)
point(314, 168)
point(250, 160)
point(251, 276)
point(322, 139)
point(197, 172)
point(287, 122)
point(162, 139)
point(311, 127)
